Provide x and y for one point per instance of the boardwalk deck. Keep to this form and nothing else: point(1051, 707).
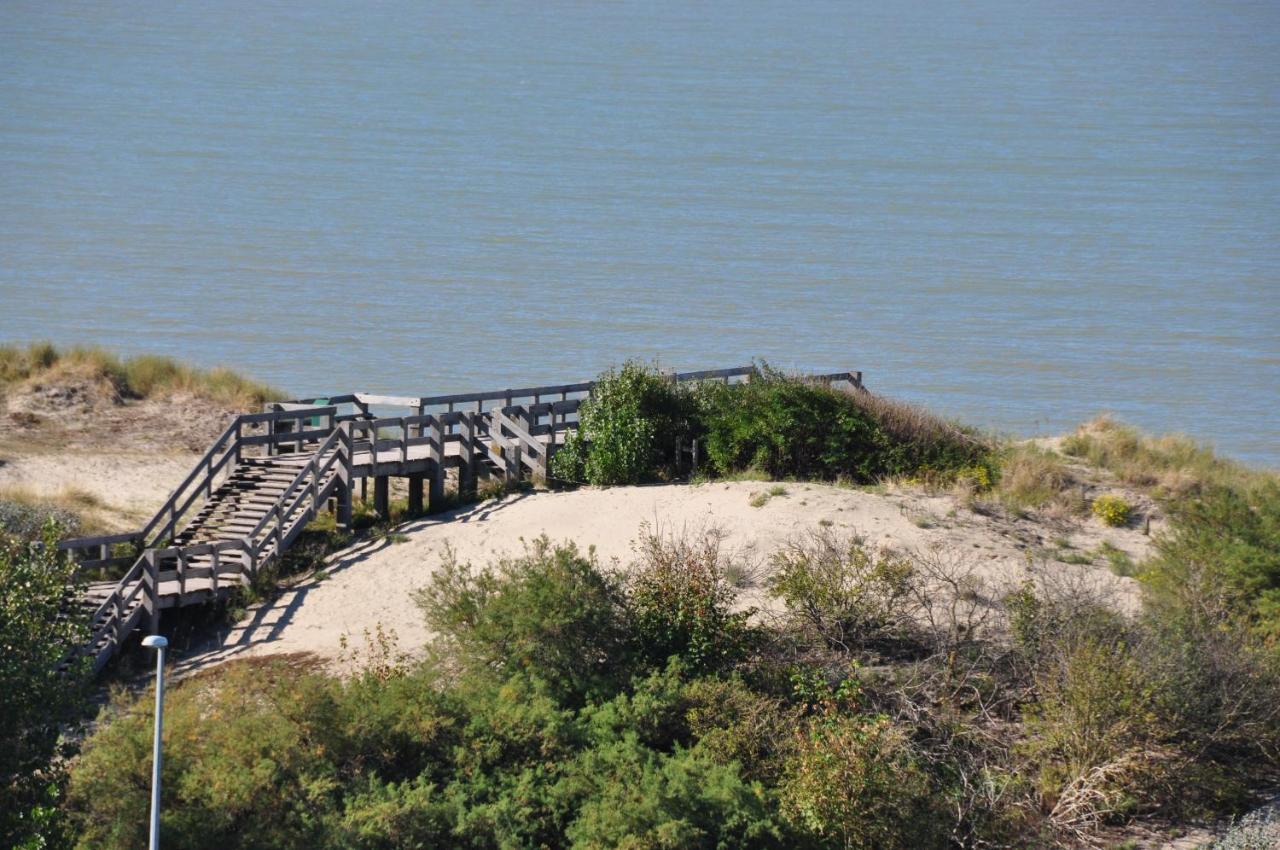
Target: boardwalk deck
point(269, 474)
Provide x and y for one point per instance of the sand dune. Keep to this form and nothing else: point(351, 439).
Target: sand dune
point(371, 583)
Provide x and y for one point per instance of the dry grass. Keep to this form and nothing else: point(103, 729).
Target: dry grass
point(140, 377)
point(911, 424)
point(1032, 477)
point(23, 511)
point(1168, 466)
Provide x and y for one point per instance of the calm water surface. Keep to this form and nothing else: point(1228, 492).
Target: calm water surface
point(1020, 213)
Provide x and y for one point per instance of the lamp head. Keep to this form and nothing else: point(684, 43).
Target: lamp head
point(155, 642)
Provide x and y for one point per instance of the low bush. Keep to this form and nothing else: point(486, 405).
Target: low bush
point(680, 602)
point(550, 610)
point(1113, 510)
point(842, 593)
point(1220, 556)
point(1142, 716)
point(856, 782)
point(37, 702)
point(788, 427)
point(628, 429)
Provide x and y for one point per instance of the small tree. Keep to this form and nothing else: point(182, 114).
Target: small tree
point(628, 429)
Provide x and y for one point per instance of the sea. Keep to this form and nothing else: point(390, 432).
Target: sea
point(1020, 214)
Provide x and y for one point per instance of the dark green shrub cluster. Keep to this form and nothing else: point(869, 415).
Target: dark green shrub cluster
point(560, 708)
point(1221, 556)
point(37, 703)
point(628, 429)
point(776, 424)
point(786, 426)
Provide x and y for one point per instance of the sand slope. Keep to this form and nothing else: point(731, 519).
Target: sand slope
point(371, 583)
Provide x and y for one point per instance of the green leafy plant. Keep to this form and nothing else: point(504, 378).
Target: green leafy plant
point(628, 429)
point(37, 698)
point(680, 602)
point(1112, 510)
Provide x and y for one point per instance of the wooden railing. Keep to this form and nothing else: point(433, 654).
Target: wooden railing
point(119, 613)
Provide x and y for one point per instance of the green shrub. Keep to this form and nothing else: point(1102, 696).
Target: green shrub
point(1142, 716)
point(643, 800)
point(788, 427)
point(1221, 553)
point(791, 427)
point(841, 593)
point(628, 429)
point(1112, 510)
point(551, 613)
point(856, 782)
point(36, 701)
point(680, 602)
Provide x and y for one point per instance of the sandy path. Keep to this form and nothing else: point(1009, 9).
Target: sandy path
point(372, 583)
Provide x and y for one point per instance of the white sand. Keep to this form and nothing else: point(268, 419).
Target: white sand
point(131, 484)
point(371, 584)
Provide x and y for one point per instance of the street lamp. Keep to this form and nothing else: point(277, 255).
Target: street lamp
point(159, 644)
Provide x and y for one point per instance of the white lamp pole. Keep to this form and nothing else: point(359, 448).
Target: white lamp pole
point(159, 644)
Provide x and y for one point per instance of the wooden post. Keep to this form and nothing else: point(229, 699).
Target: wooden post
point(344, 505)
point(152, 598)
point(467, 471)
point(435, 497)
point(382, 496)
point(415, 494)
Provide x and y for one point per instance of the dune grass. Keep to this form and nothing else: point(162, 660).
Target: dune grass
point(139, 377)
point(23, 512)
point(1172, 465)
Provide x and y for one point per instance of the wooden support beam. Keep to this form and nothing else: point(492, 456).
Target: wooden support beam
point(435, 498)
point(415, 494)
point(382, 496)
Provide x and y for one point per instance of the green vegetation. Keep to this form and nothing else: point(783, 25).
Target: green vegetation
point(139, 377)
point(1221, 555)
point(774, 424)
point(36, 701)
point(1113, 510)
point(563, 705)
point(629, 429)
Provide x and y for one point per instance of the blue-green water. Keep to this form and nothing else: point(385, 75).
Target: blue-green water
point(1020, 213)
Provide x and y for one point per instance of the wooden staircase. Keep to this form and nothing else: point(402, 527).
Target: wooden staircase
point(230, 517)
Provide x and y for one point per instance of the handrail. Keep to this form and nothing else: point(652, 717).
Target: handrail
point(366, 399)
point(231, 430)
point(297, 480)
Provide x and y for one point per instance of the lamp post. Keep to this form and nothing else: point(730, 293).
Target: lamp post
point(159, 644)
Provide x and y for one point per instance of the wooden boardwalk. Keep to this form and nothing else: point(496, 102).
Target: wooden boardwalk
point(269, 474)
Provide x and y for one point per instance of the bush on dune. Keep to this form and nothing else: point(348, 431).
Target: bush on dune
point(778, 425)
